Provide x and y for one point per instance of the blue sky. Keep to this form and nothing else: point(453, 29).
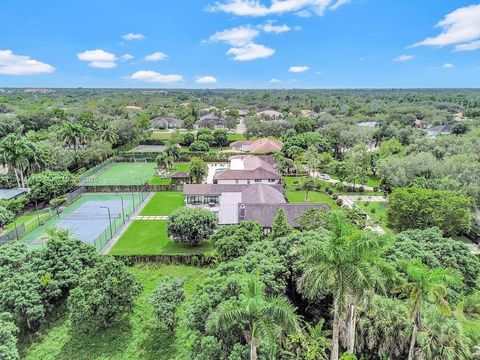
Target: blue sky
point(240, 43)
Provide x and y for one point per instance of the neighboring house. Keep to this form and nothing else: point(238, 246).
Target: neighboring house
point(209, 109)
point(439, 130)
point(307, 113)
point(260, 146)
point(211, 121)
point(255, 202)
point(420, 124)
point(133, 107)
point(166, 123)
point(248, 169)
point(458, 116)
point(8, 194)
point(270, 115)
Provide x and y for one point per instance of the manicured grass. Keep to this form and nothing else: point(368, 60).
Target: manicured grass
point(138, 337)
point(376, 210)
point(30, 220)
point(161, 135)
point(150, 237)
point(236, 137)
point(159, 180)
point(373, 181)
point(127, 173)
point(163, 203)
point(294, 196)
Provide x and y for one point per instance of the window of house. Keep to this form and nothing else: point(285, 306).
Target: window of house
point(258, 180)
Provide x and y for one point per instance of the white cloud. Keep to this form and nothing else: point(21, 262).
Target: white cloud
point(461, 26)
point(11, 64)
point(403, 58)
point(238, 36)
point(474, 45)
point(250, 52)
point(258, 8)
point(155, 77)
point(132, 36)
point(206, 79)
point(448, 65)
point(126, 57)
point(303, 13)
point(270, 26)
point(98, 58)
point(156, 56)
point(275, 81)
point(338, 4)
point(298, 69)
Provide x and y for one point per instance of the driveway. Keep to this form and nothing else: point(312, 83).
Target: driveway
point(315, 174)
point(349, 202)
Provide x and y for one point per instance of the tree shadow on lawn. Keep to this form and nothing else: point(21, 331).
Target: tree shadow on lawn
point(101, 343)
point(158, 342)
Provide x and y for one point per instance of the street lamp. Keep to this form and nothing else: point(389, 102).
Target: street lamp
point(141, 186)
point(109, 219)
point(16, 228)
point(38, 215)
point(123, 209)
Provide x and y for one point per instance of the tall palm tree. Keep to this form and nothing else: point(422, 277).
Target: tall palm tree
point(346, 262)
point(74, 135)
point(173, 151)
point(164, 161)
point(430, 285)
point(17, 153)
point(264, 319)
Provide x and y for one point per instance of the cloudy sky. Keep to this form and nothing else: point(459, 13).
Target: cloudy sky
point(240, 43)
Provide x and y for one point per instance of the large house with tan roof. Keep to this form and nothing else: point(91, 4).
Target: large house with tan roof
point(249, 169)
point(259, 146)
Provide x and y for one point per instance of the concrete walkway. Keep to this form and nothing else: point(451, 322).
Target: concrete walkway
point(151, 217)
point(241, 128)
point(124, 227)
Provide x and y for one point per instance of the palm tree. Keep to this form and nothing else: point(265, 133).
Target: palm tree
point(264, 319)
point(346, 262)
point(74, 135)
point(164, 161)
point(107, 133)
point(18, 154)
point(428, 285)
point(173, 151)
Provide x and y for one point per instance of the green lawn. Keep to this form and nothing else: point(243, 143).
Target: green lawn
point(149, 237)
point(30, 220)
point(294, 196)
point(161, 135)
point(159, 180)
point(163, 203)
point(236, 137)
point(376, 210)
point(126, 173)
point(138, 337)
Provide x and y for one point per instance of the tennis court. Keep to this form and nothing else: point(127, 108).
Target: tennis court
point(123, 173)
point(93, 218)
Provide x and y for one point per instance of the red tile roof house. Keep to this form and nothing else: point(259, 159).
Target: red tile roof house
point(249, 169)
point(255, 202)
point(260, 146)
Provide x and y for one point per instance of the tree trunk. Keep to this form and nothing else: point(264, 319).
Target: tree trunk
point(413, 340)
point(351, 323)
point(16, 177)
point(336, 329)
point(253, 350)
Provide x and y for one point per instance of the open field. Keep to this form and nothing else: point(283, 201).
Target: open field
point(136, 338)
point(123, 173)
point(86, 219)
point(149, 237)
point(163, 203)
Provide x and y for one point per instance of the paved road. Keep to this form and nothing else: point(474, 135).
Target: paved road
point(241, 128)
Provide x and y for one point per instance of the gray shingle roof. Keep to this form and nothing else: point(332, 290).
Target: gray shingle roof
point(6, 194)
point(264, 213)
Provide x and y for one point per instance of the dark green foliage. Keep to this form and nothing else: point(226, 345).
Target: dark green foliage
point(106, 293)
point(231, 242)
point(166, 299)
point(8, 339)
point(50, 184)
point(198, 169)
point(313, 219)
point(417, 208)
point(304, 141)
point(6, 216)
point(199, 145)
point(205, 138)
point(186, 139)
point(191, 225)
point(280, 226)
point(434, 250)
point(220, 137)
